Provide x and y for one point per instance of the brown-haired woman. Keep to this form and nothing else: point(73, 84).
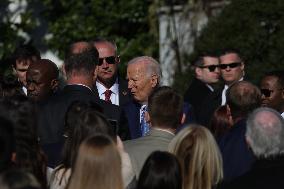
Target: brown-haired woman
point(98, 164)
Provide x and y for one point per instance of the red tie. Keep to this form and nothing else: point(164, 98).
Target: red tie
point(107, 95)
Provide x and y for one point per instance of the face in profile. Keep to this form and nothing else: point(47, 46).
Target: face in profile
point(139, 82)
point(108, 62)
point(39, 85)
point(231, 67)
point(21, 68)
point(271, 93)
point(209, 73)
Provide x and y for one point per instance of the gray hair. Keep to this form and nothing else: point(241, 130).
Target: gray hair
point(152, 65)
point(265, 132)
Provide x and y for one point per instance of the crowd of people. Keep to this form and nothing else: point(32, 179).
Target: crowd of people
point(84, 126)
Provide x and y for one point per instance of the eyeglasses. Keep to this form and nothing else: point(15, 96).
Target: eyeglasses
point(211, 68)
point(267, 92)
point(232, 65)
point(109, 60)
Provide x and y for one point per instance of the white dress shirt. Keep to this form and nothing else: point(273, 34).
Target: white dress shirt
point(114, 97)
point(224, 100)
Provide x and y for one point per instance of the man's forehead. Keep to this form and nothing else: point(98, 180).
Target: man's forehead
point(136, 69)
point(230, 57)
point(210, 60)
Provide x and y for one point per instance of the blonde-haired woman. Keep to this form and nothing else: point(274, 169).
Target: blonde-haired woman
point(200, 158)
point(98, 165)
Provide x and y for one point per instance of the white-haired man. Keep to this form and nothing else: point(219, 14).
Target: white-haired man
point(265, 136)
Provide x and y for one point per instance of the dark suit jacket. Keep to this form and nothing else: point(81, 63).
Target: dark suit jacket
point(124, 93)
point(132, 112)
point(52, 115)
point(237, 157)
point(196, 94)
point(264, 174)
point(208, 106)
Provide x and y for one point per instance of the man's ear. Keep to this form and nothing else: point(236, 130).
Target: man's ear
point(13, 157)
point(118, 59)
point(54, 84)
point(183, 117)
point(198, 71)
point(154, 80)
point(63, 70)
point(248, 141)
point(14, 70)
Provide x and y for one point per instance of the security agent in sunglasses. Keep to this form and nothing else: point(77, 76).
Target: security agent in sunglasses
point(232, 70)
point(207, 74)
point(272, 91)
point(109, 85)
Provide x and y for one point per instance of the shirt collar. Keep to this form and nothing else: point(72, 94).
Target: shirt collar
point(101, 88)
point(82, 85)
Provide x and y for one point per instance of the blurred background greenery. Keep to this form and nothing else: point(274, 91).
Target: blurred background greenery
point(254, 27)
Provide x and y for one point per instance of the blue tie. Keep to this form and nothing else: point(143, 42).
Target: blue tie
point(144, 125)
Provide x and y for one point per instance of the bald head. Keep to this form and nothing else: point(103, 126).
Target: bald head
point(42, 79)
point(265, 132)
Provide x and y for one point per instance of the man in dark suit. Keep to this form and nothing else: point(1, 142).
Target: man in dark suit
point(265, 136)
point(232, 70)
point(79, 67)
point(207, 73)
point(165, 114)
point(109, 85)
point(242, 98)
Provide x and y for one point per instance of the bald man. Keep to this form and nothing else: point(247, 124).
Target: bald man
point(42, 79)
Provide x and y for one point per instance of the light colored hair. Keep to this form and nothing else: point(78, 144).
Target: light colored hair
point(152, 66)
point(265, 132)
point(199, 155)
point(98, 165)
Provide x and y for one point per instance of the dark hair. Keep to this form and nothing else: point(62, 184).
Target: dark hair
point(165, 107)
point(243, 97)
point(199, 60)
point(6, 143)
point(82, 121)
point(10, 86)
point(83, 62)
point(161, 170)
point(29, 156)
point(226, 51)
point(18, 179)
point(26, 51)
point(279, 74)
point(220, 121)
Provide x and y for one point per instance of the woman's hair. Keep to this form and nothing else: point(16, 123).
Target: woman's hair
point(18, 179)
point(161, 170)
point(221, 121)
point(82, 120)
point(98, 165)
point(199, 155)
point(29, 156)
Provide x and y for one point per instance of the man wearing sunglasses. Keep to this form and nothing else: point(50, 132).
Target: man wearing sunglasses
point(109, 85)
point(207, 73)
point(272, 91)
point(232, 70)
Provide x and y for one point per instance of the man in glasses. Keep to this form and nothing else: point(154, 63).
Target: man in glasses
point(109, 85)
point(207, 73)
point(272, 91)
point(232, 70)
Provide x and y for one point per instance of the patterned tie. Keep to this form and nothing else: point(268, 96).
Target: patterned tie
point(144, 125)
point(107, 95)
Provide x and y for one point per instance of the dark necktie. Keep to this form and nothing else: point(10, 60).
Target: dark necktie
point(107, 95)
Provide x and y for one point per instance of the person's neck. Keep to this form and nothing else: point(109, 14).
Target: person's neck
point(107, 83)
point(80, 80)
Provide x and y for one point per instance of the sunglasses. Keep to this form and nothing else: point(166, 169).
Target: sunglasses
point(267, 92)
point(109, 60)
point(232, 65)
point(211, 68)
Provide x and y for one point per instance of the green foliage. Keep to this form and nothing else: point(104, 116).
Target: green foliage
point(255, 28)
point(124, 21)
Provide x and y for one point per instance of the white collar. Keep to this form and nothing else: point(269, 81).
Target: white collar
point(82, 85)
point(101, 88)
point(165, 130)
point(282, 114)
